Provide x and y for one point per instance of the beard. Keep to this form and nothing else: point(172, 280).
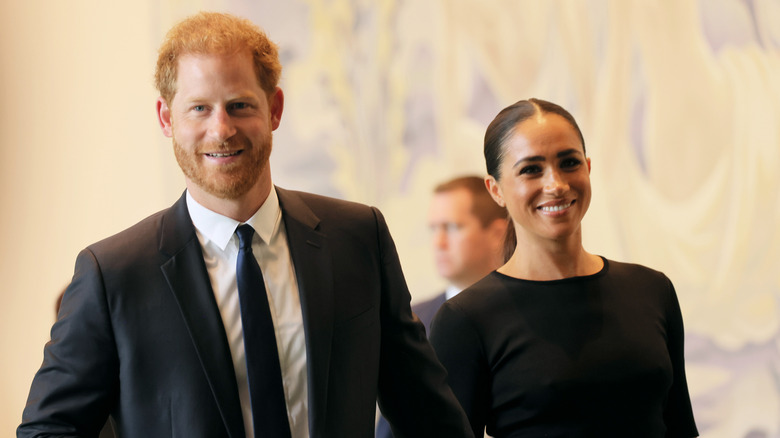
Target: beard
point(229, 181)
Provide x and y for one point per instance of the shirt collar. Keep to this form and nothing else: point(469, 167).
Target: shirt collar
point(219, 229)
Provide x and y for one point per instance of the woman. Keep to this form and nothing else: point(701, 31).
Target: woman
point(560, 342)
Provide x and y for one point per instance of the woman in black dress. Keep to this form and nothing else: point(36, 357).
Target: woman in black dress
point(560, 342)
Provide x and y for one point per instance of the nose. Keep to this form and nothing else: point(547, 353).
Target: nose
point(221, 125)
point(555, 182)
point(439, 237)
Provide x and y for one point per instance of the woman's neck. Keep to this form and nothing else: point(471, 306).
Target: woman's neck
point(551, 260)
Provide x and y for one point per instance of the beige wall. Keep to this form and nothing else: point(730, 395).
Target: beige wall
point(82, 157)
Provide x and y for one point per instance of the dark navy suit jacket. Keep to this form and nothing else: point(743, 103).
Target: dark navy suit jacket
point(140, 337)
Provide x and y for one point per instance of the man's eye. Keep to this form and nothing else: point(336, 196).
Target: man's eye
point(199, 108)
point(240, 105)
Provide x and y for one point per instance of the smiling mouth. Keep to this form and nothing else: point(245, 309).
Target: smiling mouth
point(223, 154)
point(554, 208)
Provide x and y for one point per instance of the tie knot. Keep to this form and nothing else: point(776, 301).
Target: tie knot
point(245, 233)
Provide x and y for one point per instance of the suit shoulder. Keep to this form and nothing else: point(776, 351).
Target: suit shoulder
point(143, 234)
point(329, 213)
point(434, 302)
point(325, 204)
point(426, 310)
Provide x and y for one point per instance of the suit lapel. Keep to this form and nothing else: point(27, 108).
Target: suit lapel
point(312, 260)
point(189, 281)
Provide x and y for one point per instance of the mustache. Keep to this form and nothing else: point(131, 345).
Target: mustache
point(229, 144)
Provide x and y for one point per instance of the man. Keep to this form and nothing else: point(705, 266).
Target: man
point(156, 328)
point(468, 230)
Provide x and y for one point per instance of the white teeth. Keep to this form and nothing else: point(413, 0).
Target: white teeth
point(218, 155)
point(555, 208)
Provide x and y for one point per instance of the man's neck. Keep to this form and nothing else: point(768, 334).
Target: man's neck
point(241, 208)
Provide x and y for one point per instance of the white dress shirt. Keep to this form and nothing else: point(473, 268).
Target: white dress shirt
point(216, 234)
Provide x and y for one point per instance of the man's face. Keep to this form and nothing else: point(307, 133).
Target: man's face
point(221, 122)
point(464, 250)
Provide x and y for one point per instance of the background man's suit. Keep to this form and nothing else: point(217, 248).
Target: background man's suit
point(140, 336)
point(426, 310)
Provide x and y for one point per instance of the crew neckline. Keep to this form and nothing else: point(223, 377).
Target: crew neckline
point(604, 269)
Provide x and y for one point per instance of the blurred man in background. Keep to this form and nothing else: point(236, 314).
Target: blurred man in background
point(468, 230)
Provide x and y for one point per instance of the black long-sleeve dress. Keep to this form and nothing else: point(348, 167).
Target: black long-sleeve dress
point(592, 356)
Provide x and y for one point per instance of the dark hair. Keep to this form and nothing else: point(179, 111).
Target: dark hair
point(482, 205)
point(504, 124)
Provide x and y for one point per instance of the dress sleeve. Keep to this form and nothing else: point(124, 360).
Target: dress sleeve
point(460, 350)
point(678, 414)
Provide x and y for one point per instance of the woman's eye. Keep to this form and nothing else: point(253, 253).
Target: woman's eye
point(570, 162)
point(530, 170)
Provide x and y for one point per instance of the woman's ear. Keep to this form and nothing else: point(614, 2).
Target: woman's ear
point(495, 190)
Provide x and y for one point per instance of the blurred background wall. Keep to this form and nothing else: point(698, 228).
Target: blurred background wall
point(679, 102)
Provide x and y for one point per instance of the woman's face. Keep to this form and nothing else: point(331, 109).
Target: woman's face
point(544, 179)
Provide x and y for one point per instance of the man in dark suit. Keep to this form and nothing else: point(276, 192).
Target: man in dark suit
point(153, 326)
point(468, 230)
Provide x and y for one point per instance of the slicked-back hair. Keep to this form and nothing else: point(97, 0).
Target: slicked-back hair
point(503, 126)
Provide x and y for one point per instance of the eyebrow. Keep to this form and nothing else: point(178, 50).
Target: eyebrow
point(536, 158)
point(199, 99)
point(244, 96)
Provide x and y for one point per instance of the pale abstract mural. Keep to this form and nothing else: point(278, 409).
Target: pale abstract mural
point(679, 102)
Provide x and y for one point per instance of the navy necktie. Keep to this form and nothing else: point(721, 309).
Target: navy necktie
point(269, 411)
